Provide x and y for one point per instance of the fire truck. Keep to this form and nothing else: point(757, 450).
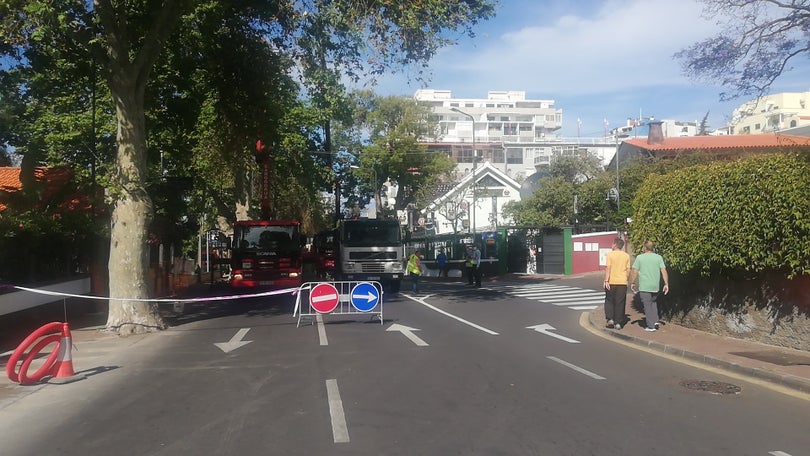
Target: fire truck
point(266, 253)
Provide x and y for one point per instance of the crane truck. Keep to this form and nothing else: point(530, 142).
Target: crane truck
point(266, 253)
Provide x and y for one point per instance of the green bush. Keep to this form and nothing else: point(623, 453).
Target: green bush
point(748, 216)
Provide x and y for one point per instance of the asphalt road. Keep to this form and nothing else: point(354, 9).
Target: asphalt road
point(490, 371)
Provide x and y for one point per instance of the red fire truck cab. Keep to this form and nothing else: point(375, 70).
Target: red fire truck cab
point(266, 254)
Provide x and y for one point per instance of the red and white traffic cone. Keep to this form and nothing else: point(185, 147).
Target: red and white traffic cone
point(62, 371)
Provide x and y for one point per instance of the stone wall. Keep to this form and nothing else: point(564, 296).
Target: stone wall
point(770, 308)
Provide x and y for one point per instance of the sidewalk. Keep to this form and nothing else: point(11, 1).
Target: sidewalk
point(779, 366)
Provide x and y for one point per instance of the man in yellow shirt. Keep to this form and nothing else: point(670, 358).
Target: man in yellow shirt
point(617, 268)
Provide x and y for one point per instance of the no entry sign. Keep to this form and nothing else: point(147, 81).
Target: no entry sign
point(324, 298)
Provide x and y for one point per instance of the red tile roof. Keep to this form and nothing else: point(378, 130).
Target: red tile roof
point(9, 178)
point(765, 141)
point(55, 178)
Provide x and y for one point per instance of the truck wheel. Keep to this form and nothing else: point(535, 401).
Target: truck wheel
point(394, 286)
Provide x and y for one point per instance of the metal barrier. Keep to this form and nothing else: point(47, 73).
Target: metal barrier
point(339, 298)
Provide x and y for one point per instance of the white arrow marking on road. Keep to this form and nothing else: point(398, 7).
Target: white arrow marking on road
point(235, 342)
point(545, 328)
point(368, 297)
point(408, 332)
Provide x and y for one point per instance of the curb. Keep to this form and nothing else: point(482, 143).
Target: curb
point(793, 382)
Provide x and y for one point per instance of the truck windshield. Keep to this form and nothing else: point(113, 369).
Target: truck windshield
point(280, 240)
point(369, 233)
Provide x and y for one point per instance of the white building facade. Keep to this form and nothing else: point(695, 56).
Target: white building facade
point(771, 113)
point(515, 134)
point(475, 203)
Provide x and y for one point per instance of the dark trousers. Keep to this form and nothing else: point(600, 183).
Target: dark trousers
point(470, 270)
point(476, 273)
point(615, 302)
point(414, 282)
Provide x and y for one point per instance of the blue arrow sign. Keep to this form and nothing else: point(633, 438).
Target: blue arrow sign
point(365, 296)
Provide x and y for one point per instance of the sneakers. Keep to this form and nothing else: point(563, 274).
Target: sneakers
point(653, 329)
point(657, 325)
point(610, 324)
point(617, 326)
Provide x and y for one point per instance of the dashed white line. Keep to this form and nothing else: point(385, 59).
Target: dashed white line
point(340, 431)
point(321, 330)
point(576, 368)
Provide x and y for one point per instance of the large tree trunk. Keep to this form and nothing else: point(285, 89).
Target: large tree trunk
point(127, 76)
point(130, 218)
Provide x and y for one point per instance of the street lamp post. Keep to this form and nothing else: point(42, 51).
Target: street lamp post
point(475, 166)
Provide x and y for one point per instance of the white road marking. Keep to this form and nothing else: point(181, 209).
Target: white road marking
point(408, 332)
point(577, 299)
point(321, 330)
point(559, 295)
point(546, 329)
point(778, 453)
point(340, 431)
point(576, 368)
point(235, 342)
point(421, 301)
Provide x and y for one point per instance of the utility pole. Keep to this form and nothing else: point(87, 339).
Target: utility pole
point(475, 168)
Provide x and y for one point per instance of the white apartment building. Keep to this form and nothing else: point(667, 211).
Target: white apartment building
point(505, 129)
point(771, 113)
point(670, 128)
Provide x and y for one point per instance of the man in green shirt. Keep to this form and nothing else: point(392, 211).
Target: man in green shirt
point(649, 268)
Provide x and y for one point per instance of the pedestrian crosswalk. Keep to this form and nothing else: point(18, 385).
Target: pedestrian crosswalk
point(558, 295)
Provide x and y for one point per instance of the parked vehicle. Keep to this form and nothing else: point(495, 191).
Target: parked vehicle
point(266, 254)
point(371, 249)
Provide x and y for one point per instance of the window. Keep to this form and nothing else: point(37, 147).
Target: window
point(514, 156)
point(757, 127)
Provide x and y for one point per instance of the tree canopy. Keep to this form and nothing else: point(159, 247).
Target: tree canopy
point(553, 203)
point(758, 41)
point(190, 84)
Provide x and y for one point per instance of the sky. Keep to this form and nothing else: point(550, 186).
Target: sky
point(597, 59)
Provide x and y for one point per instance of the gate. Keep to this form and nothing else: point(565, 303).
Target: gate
point(539, 250)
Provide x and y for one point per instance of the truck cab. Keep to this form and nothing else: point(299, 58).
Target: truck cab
point(371, 249)
point(266, 254)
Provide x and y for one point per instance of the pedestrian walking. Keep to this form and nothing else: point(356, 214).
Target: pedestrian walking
point(617, 270)
point(476, 265)
point(441, 263)
point(415, 269)
point(649, 268)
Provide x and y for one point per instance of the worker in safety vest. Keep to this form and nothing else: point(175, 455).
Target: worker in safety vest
point(415, 269)
point(469, 265)
point(476, 265)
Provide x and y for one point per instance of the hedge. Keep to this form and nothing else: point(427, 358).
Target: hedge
point(751, 216)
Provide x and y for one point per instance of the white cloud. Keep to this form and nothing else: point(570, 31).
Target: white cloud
point(625, 45)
